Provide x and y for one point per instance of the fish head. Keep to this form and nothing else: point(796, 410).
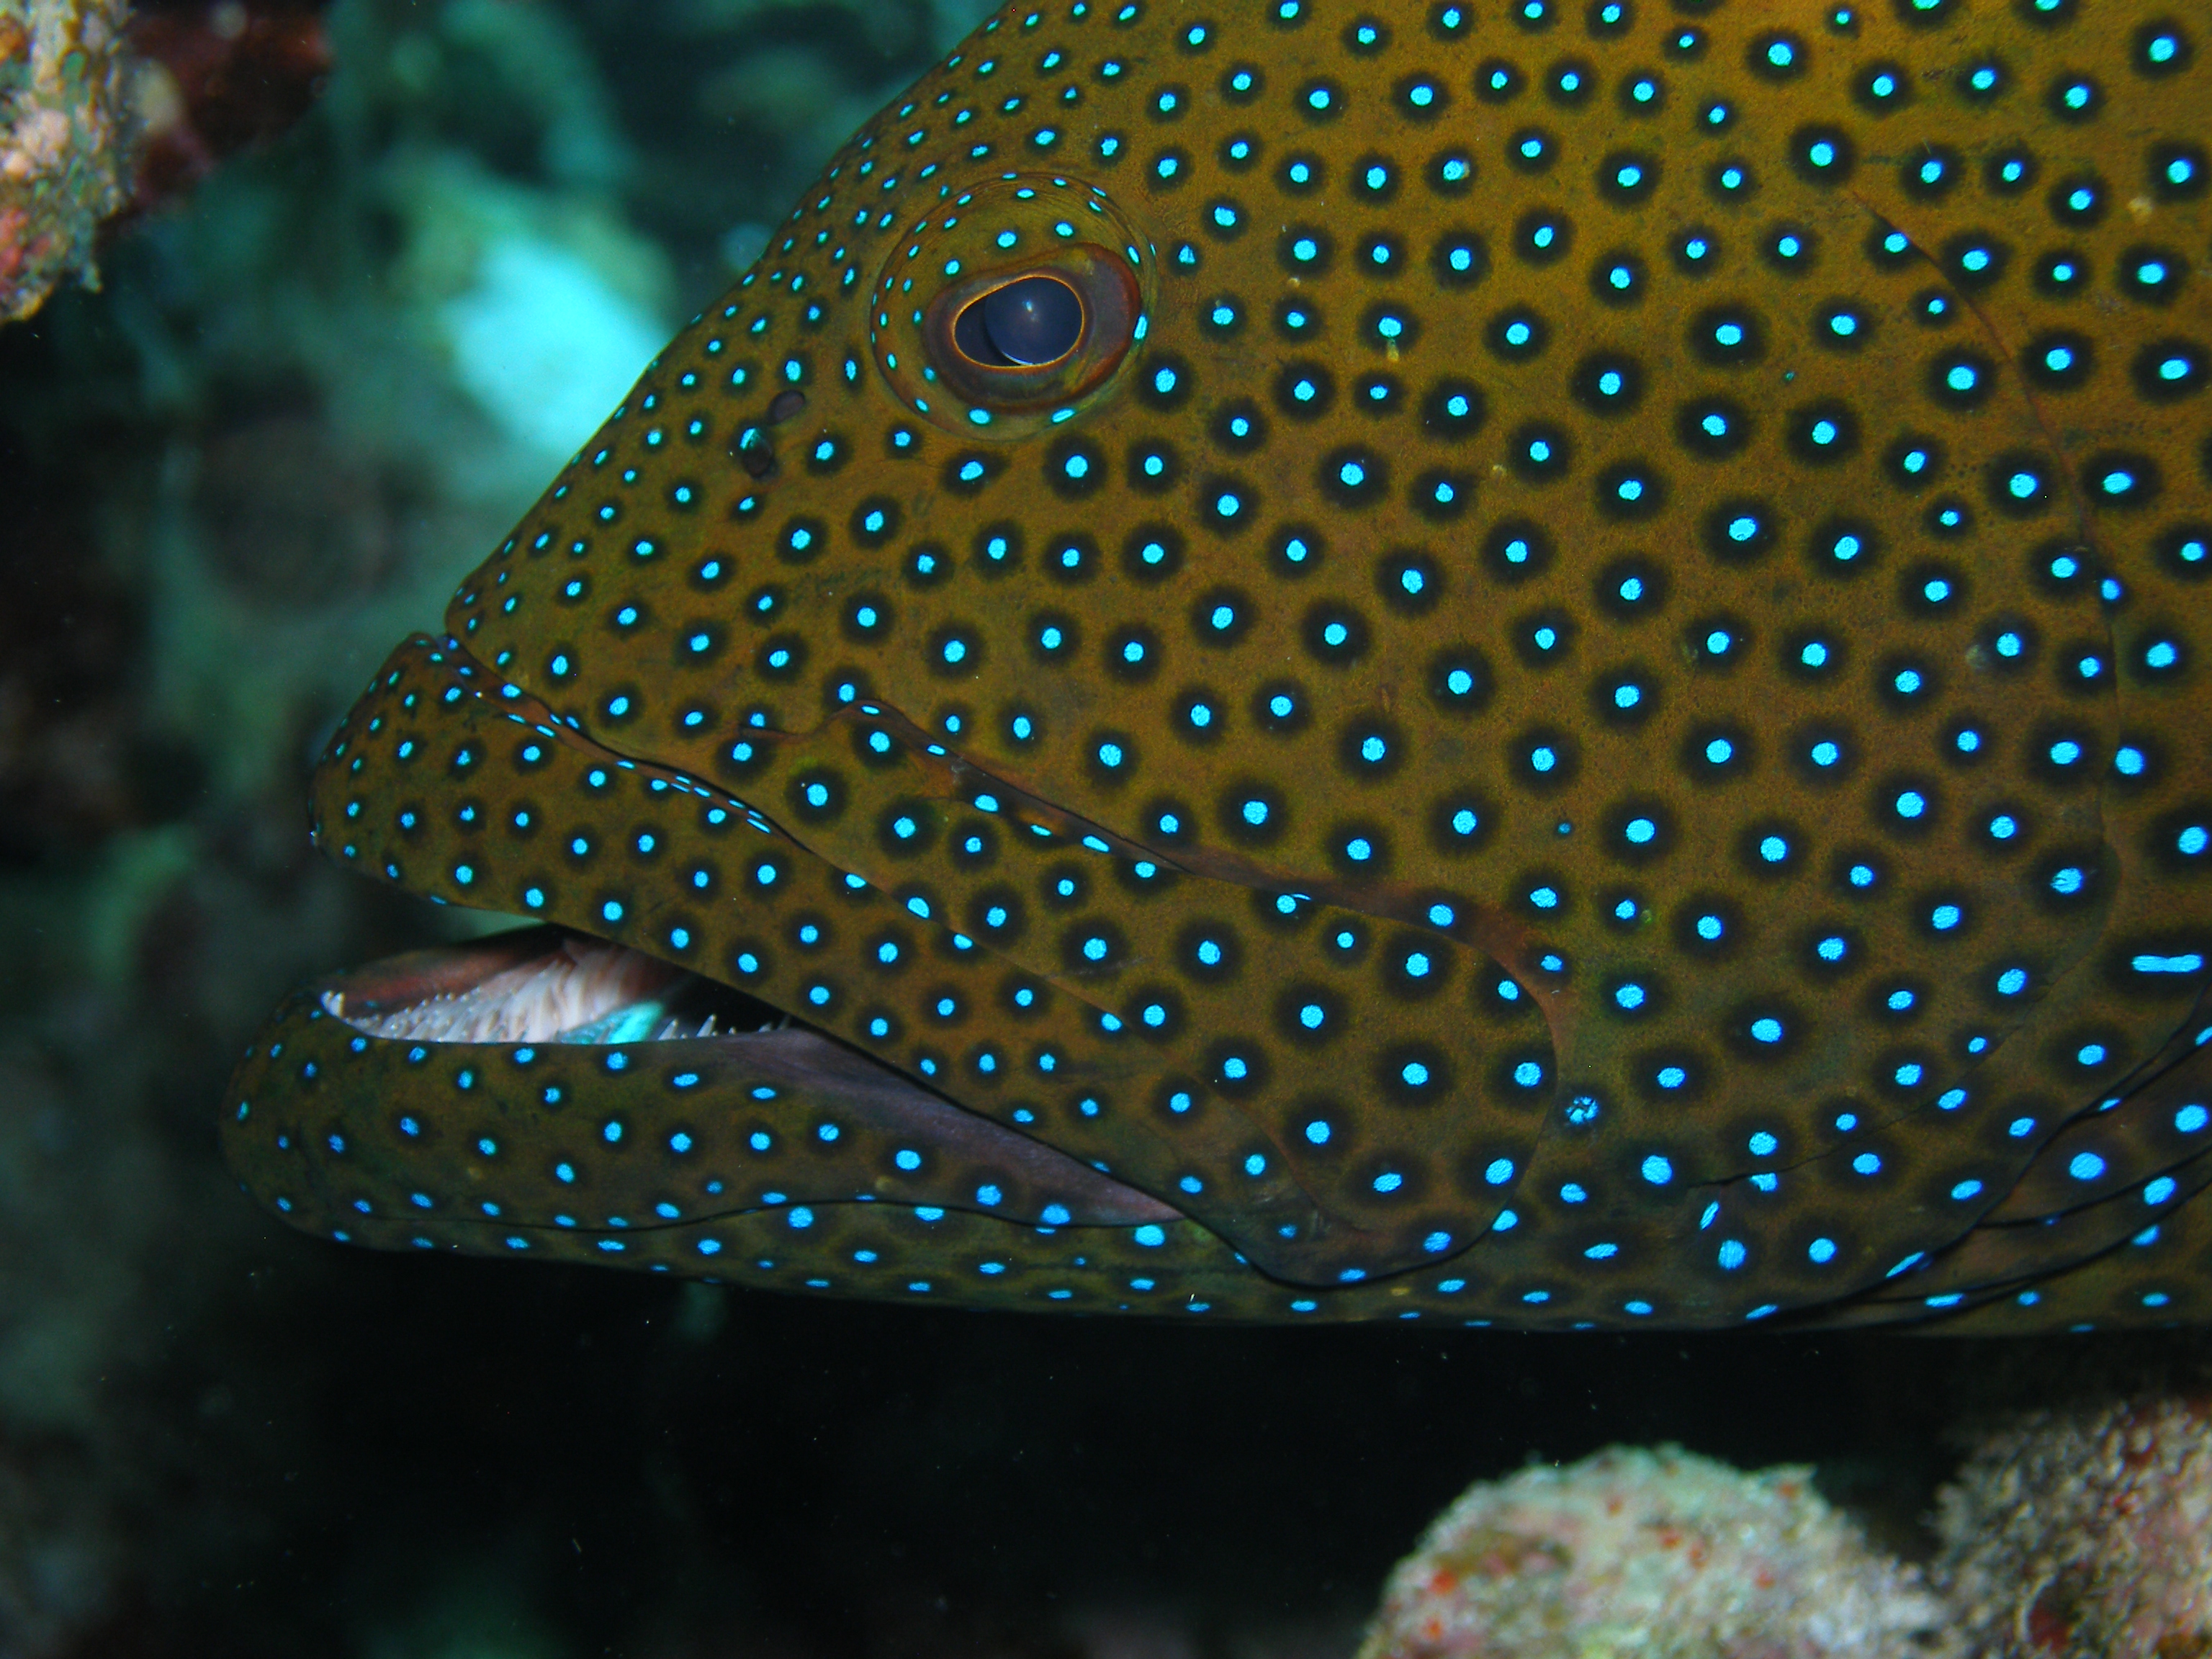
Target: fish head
point(1558, 643)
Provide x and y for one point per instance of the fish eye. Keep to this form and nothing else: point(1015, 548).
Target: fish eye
point(1030, 322)
point(1009, 309)
point(1026, 343)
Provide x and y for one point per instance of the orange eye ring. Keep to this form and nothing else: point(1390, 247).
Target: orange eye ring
point(1106, 302)
point(1012, 306)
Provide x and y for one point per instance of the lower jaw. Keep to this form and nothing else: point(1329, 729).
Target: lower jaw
point(505, 1087)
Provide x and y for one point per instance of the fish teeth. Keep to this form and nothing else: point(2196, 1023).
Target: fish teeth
point(534, 1002)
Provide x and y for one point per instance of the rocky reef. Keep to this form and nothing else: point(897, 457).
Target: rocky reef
point(108, 109)
point(2078, 1533)
point(65, 141)
point(2084, 1533)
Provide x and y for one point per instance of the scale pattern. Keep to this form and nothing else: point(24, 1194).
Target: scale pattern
point(1687, 525)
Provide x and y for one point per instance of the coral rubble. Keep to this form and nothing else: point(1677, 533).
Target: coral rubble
point(1661, 1554)
point(2085, 1535)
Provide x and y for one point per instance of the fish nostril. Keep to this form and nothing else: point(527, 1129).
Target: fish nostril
point(752, 452)
point(785, 405)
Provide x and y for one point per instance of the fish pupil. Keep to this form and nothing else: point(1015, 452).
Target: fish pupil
point(1028, 322)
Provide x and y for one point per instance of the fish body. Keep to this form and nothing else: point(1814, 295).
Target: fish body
point(1532, 665)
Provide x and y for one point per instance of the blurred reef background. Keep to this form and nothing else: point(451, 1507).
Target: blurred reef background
point(386, 263)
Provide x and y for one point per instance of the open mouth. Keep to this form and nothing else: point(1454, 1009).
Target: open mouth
point(552, 1093)
point(540, 985)
point(543, 1083)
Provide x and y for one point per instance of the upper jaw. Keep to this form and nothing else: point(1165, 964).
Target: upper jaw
point(541, 985)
